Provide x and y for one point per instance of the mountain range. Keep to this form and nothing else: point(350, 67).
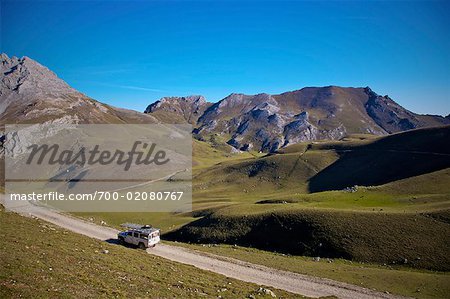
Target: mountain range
point(265, 122)
point(31, 93)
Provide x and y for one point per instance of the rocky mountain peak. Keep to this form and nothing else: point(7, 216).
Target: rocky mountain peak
point(232, 100)
point(239, 99)
point(170, 103)
point(391, 116)
point(27, 76)
point(189, 107)
point(369, 91)
point(30, 92)
point(7, 62)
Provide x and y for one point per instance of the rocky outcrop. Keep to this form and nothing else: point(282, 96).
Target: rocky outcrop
point(394, 118)
point(190, 107)
point(31, 93)
point(300, 130)
point(388, 114)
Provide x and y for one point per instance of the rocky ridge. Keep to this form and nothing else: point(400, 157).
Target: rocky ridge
point(190, 107)
point(266, 122)
point(31, 93)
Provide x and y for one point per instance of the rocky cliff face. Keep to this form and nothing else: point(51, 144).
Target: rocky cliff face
point(266, 122)
point(394, 118)
point(31, 93)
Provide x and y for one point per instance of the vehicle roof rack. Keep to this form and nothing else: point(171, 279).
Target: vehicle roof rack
point(136, 226)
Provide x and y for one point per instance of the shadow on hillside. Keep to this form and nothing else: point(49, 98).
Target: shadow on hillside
point(366, 237)
point(392, 158)
point(270, 233)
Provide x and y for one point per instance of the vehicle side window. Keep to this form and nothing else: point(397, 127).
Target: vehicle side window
point(129, 233)
point(136, 235)
point(144, 236)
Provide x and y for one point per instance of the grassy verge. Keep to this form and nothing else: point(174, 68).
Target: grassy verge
point(396, 280)
point(39, 260)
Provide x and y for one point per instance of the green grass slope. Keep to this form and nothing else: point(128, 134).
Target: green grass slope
point(206, 154)
point(38, 260)
point(262, 175)
point(404, 218)
point(416, 240)
point(385, 160)
point(321, 166)
point(398, 280)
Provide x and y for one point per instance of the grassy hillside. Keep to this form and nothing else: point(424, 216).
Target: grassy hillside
point(206, 154)
point(242, 200)
point(267, 201)
point(39, 260)
point(415, 240)
point(401, 217)
point(386, 278)
point(322, 166)
point(385, 160)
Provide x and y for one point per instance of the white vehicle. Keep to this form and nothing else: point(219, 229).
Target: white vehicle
point(142, 236)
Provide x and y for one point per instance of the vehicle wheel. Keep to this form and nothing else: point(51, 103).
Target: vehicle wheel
point(121, 241)
point(153, 246)
point(141, 246)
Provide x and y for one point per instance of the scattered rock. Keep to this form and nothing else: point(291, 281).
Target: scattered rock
point(351, 189)
point(265, 291)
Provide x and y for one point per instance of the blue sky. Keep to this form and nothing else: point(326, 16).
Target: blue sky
point(131, 53)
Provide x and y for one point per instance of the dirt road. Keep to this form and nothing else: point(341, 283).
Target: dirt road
point(292, 282)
